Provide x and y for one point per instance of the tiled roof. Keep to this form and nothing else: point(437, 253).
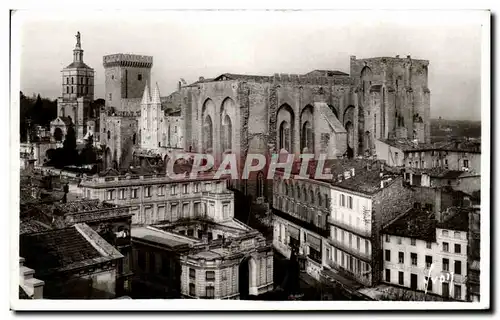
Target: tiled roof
point(415, 223)
point(56, 249)
point(78, 64)
point(367, 174)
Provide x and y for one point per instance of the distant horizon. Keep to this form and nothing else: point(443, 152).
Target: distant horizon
point(191, 44)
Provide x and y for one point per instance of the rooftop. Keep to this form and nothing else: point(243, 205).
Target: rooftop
point(360, 175)
point(163, 237)
point(63, 249)
point(415, 223)
point(78, 64)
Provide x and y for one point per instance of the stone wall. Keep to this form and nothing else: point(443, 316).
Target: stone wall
point(388, 203)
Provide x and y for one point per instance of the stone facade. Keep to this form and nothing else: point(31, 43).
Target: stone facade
point(126, 77)
point(159, 198)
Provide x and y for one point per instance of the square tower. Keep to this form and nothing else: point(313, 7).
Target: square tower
point(126, 76)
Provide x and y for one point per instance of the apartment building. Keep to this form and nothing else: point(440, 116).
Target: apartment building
point(157, 197)
point(341, 216)
point(423, 254)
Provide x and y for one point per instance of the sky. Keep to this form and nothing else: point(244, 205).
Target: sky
point(190, 44)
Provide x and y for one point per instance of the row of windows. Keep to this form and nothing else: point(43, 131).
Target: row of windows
point(350, 263)
point(350, 236)
point(80, 82)
point(82, 90)
point(209, 275)
point(209, 291)
point(343, 203)
point(148, 191)
point(428, 261)
point(429, 284)
point(413, 241)
point(456, 234)
point(302, 212)
point(303, 194)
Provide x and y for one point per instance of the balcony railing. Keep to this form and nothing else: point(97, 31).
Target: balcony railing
point(347, 227)
point(363, 277)
point(350, 250)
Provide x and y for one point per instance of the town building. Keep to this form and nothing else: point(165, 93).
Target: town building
point(73, 263)
point(338, 221)
point(110, 221)
point(200, 258)
point(427, 253)
point(473, 255)
point(73, 107)
point(157, 197)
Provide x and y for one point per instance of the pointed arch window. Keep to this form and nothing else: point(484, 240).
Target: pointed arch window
point(208, 133)
point(285, 138)
point(307, 137)
point(227, 133)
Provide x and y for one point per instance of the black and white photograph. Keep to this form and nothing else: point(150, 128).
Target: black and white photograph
point(249, 159)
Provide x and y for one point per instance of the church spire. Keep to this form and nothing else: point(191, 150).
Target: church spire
point(78, 52)
point(146, 98)
point(156, 95)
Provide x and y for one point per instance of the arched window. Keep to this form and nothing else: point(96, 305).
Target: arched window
point(304, 191)
point(109, 135)
point(62, 112)
point(208, 133)
point(72, 80)
point(227, 133)
point(284, 133)
point(298, 192)
point(307, 137)
point(320, 200)
point(71, 88)
point(311, 196)
point(67, 80)
point(134, 137)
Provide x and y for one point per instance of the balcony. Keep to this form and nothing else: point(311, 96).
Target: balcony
point(324, 232)
point(346, 227)
point(363, 277)
point(350, 250)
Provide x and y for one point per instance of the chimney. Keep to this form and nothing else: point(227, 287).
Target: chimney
point(179, 85)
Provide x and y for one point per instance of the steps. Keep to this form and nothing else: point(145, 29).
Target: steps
point(32, 286)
